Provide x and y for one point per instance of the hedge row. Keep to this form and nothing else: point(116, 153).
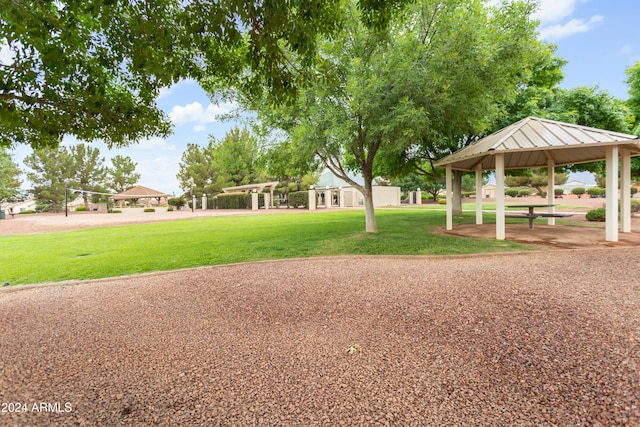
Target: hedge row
point(235, 201)
point(298, 199)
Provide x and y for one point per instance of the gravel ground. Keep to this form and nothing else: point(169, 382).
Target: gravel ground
point(543, 338)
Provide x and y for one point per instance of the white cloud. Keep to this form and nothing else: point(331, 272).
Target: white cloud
point(551, 11)
point(164, 92)
point(199, 128)
point(574, 26)
point(195, 113)
point(626, 49)
point(153, 144)
point(160, 173)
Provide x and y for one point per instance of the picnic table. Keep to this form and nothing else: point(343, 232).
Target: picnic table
point(531, 215)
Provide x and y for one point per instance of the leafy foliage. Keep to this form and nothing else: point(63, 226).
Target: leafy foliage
point(230, 162)
point(50, 168)
point(93, 68)
point(598, 215)
point(122, 175)
point(9, 176)
point(438, 72)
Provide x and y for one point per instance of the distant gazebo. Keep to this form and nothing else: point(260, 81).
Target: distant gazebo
point(140, 192)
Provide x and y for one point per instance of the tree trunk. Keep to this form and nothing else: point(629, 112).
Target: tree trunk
point(370, 217)
point(457, 192)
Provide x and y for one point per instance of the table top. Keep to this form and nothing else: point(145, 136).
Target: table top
point(529, 206)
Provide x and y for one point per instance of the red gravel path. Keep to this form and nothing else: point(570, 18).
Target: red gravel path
point(544, 338)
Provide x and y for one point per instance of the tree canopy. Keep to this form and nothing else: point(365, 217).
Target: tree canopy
point(438, 71)
point(94, 68)
point(9, 176)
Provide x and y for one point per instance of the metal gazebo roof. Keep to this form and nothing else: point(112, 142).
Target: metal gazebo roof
point(532, 142)
point(139, 192)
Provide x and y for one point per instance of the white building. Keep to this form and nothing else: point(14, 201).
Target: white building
point(344, 194)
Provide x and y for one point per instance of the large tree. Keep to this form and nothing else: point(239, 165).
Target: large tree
point(229, 162)
point(90, 171)
point(93, 68)
point(440, 69)
point(51, 170)
point(633, 80)
point(9, 177)
point(122, 174)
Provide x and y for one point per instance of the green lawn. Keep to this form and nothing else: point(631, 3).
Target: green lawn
point(121, 250)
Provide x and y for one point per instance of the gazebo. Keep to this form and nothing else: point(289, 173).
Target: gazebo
point(534, 142)
point(140, 192)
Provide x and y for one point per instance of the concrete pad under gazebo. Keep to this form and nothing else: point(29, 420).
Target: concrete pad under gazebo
point(534, 142)
point(140, 192)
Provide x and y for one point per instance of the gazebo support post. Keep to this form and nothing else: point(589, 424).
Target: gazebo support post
point(611, 226)
point(551, 194)
point(479, 194)
point(625, 190)
point(449, 198)
point(500, 221)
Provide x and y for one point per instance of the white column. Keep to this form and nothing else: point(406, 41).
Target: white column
point(267, 201)
point(193, 202)
point(204, 202)
point(327, 199)
point(419, 196)
point(312, 200)
point(625, 190)
point(449, 198)
point(341, 197)
point(479, 194)
point(611, 226)
point(410, 197)
point(500, 224)
point(254, 201)
point(551, 192)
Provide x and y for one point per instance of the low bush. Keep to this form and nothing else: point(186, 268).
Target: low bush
point(115, 211)
point(511, 192)
point(81, 209)
point(233, 201)
point(598, 215)
point(297, 199)
point(442, 201)
point(596, 192)
point(28, 211)
point(149, 210)
point(578, 191)
point(634, 190)
point(635, 206)
point(558, 192)
point(170, 209)
point(524, 193)
point(177, 202)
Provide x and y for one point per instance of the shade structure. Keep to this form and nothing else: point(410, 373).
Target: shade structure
point(534, 142)
point(139, 192)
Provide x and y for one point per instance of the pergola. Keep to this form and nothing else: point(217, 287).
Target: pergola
point(534, 142)
point(258, 188)
point(139, 192)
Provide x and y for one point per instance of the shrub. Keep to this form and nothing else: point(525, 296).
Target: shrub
point(115, 211)
point(558, 192)
point(81, 209)
point(596, 192)
point(598, 214)
point(634, 190)
point(170, 209)
point(298, 198)
point(149, 210)
point(442, 201)
point(511, 192)
point(578, 191)
point(177, 202)
point(28, 211)
point(635, 206)
point(524, 193)
point(233, 201)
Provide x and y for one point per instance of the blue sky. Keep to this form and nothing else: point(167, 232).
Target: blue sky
point(599, 38)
